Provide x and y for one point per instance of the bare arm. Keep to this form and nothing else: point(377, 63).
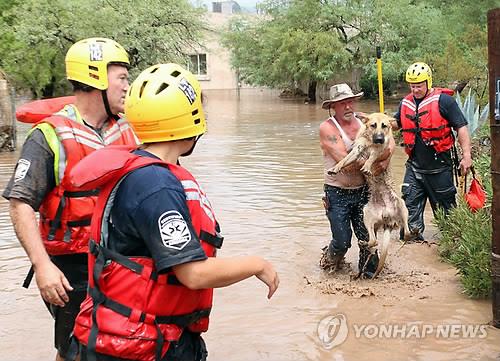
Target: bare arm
point(331, 143)
point(50, 280)
point(464, 141)
point(221, 272)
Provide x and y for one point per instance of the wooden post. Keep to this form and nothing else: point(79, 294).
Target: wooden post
point(13, 123)
point(6, 117)
point(494, 97)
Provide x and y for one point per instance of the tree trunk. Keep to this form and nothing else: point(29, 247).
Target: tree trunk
point(311, 91)
point(7, 130)
point(49, 89)
point(355, 79)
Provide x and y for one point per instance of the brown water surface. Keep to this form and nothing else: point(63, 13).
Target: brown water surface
point(261, 165)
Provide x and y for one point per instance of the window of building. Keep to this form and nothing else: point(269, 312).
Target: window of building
point(217, 7)
point(198, 64)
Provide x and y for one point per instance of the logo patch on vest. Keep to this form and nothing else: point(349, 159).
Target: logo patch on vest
point(21, 169)
point(174, 230)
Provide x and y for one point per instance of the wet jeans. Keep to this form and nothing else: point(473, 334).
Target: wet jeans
point(344, 208)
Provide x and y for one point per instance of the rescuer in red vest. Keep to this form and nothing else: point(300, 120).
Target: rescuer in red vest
point(57, 248)
point(428, 118)
point(154, 234)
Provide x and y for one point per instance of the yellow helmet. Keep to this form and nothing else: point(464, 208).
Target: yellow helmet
point(164, 104)
point(419, 72)
point(87, 61)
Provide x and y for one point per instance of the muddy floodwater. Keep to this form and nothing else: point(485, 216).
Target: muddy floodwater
point(261, 166)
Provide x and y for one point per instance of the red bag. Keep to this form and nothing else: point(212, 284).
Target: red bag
point(476, 196)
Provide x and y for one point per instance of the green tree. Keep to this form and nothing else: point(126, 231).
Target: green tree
point(297, 41)
point(6, 5)
point(285, 50)
point(33, 46)
point(462, 13)
point(311, 40)
point(464, 61)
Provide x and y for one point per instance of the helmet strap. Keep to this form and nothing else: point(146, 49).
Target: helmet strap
point(427, 85)
point(106, 104)
point(192, 148)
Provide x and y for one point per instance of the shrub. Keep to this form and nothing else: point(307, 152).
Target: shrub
point(465, 237)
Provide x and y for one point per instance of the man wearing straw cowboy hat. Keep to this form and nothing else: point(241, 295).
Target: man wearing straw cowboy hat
point(346, 193)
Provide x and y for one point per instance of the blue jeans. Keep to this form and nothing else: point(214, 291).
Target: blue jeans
point(344, 210)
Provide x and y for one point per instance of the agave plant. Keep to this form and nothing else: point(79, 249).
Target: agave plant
point(471, 111)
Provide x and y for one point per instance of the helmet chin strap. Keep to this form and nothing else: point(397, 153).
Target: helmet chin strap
point(427, 86)
point(192, 148)
point(106, 104)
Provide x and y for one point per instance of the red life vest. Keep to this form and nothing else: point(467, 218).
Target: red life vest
point(433, 128)
point(131, 311)
point(66, 211)
point(38, 110)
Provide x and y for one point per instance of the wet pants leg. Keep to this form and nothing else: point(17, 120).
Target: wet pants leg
point(345, 208)
point(414, 194)
point(417, 188)
point(443, 190)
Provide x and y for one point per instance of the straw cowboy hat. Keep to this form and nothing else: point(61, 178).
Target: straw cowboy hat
point(340, 92)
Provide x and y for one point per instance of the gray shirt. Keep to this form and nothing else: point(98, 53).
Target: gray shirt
point(33, 176)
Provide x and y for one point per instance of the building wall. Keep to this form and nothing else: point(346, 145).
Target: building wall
point(219, 75)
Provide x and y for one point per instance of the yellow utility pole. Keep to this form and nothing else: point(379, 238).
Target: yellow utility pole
point(379, 76)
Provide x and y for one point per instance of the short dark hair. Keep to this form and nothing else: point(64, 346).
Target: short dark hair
point(77, 86)
point(125, 65)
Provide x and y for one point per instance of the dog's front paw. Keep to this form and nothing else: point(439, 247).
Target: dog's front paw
point(366, 169)
point(363, 244)
point(333, 171)
point(412, 236)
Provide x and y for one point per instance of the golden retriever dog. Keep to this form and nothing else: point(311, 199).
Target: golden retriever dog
point(385, 210)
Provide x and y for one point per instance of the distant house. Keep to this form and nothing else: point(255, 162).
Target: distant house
point(212, 64)
point(225, 7)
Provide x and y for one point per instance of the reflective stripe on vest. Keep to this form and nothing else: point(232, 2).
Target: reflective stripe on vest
point(426, 120)
point(65, 212)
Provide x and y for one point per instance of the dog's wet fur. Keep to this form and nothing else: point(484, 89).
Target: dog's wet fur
point(385, 210)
